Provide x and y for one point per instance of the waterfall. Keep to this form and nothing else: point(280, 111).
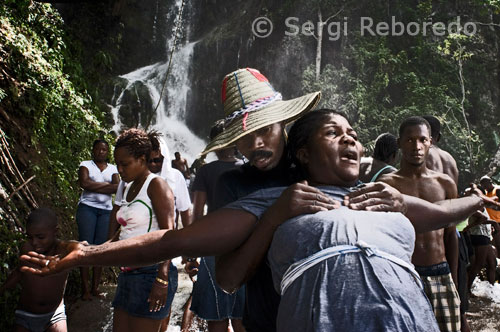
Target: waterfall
point(137, 94)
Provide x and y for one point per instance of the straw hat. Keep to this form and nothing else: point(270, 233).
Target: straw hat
point(251, 103)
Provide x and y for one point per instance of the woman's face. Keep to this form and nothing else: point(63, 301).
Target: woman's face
point(100, 152)
point(129, 167)
point(333, 153)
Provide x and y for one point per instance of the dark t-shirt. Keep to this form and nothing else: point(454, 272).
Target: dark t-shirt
point(207, 177)
point(262, 300)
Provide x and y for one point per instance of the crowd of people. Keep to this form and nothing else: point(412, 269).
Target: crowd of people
point(303, 234)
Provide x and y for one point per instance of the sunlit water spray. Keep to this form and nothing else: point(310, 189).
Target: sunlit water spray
point(169, 118)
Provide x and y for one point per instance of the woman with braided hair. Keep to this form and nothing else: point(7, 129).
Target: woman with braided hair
point(144, 294)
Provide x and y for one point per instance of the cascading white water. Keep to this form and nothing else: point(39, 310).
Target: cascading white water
point(170, 114)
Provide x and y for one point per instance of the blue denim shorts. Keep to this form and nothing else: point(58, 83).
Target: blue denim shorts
point(210, 302)
point(133, 291)
point(93, 224)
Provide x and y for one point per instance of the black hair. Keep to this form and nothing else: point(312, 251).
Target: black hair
point(303, 128)
point(136, 142)
point(413, 121)
point(386, 145)
point(216, 129)
point(435, 126)
point(154, 137)
point(97, 141)
point(42, 215)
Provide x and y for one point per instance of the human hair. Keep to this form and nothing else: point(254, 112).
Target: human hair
point(435, 126)
point(216, 129)
point(304, 127)
point(154, 137)
point(386, 145)
point(413, 121)
point(42, 215)
point(136, 142)
point(97, 141)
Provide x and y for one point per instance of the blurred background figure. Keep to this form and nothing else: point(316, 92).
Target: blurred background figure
point(384, 157)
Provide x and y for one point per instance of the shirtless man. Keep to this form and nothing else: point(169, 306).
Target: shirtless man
point(41, 305)
point(181, 164)
point(430, 256)
point(441, 161)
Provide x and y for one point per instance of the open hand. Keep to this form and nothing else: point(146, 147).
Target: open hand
point(376, 196)
point(47, 265)
point(489, 202)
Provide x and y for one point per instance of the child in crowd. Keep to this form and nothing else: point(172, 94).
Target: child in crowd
point(41, 305)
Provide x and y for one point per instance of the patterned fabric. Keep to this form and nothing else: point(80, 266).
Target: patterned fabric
point(254, 106)
point(445, 301)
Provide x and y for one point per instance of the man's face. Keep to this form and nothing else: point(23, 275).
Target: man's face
point(155, 162)
point(414, 144)
point(263, 147)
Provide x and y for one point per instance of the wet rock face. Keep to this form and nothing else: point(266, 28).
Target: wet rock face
point(225, 42)
point(137, 108)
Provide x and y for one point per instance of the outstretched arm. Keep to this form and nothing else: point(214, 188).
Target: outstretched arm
point(425, 216)
point(214, 234)
point(235, 268)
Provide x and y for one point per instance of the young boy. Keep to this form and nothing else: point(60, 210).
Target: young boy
point(41, 306)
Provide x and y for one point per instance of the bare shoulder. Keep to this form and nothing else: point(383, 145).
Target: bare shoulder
point(446, 155)
point(447, 183)
point(159, 185)
point(390, 178)
point(444, 179)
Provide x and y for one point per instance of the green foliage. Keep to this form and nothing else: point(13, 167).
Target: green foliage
point(44, 86)
point(380, 80)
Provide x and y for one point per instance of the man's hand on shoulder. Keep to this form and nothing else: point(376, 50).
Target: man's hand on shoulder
point(298, 199)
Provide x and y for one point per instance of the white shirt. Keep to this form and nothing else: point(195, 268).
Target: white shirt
point(179, 189)
point(90, 198)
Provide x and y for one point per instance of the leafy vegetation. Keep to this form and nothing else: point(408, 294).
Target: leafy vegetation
point(46, 110)
point(380, 80)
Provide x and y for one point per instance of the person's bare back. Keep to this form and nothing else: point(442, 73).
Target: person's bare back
point(441, 161)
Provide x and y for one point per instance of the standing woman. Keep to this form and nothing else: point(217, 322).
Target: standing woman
point(99, 180)
point(144, 294)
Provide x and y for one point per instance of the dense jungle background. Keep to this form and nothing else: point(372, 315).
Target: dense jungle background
point(74, 71)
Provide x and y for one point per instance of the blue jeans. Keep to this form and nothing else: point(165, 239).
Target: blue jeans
point(93, 224)
point(134, 287)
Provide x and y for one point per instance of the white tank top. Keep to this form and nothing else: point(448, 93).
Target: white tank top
point(137, 217)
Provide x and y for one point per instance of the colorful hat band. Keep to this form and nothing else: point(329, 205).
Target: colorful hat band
point(253, 106)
